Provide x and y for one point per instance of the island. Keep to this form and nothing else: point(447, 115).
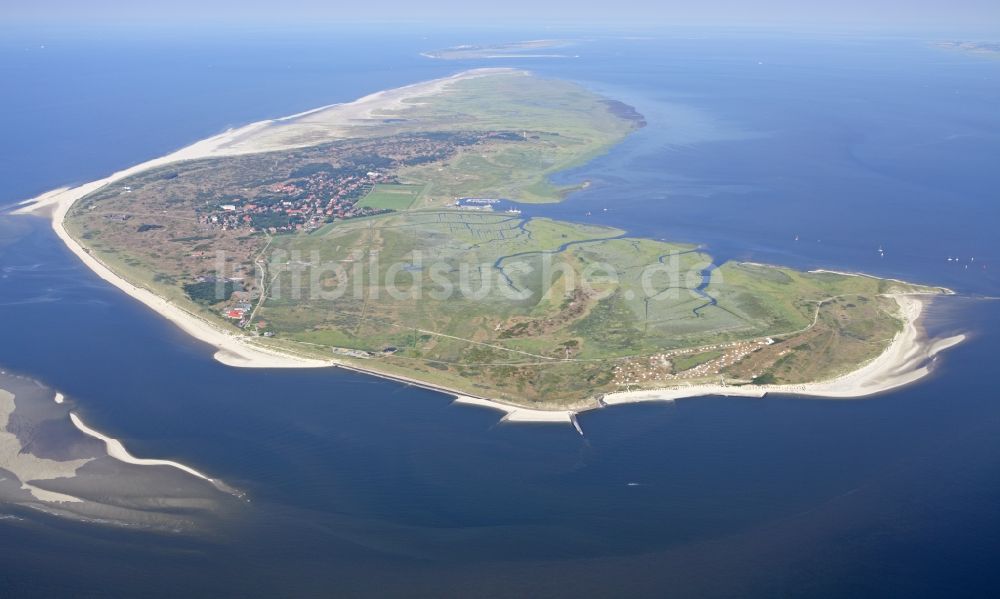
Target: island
point(524, 49)
point(388, 235)
point(988, 49)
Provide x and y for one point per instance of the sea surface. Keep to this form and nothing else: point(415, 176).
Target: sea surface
point(809, 151)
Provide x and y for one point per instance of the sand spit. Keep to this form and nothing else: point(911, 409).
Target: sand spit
point(27, 467)
point(118, 451)
point(943, 290)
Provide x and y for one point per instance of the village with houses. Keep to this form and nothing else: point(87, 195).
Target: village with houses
point(685, 364)
point(317, 193)
point(301, 204)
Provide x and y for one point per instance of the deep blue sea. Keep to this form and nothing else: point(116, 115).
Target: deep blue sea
point(810, 151)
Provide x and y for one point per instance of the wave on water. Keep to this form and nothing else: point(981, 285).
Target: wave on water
point(40, 299)
point(17, 268)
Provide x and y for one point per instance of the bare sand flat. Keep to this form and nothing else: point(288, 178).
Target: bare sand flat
point(65, 473)
point(27, 467)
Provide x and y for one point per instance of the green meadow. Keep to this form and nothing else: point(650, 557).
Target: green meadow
point(391, 197)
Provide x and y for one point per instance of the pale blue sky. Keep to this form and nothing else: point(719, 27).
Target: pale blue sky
point(983, 14)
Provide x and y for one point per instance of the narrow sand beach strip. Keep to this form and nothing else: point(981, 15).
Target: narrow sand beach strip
point(512, 413)
point(518, 414)
point(944, 290)
point(118, 451)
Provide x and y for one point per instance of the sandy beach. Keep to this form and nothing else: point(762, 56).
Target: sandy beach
point(118, 451)
point(907, 358)
point(518, 414)
point(512, 413)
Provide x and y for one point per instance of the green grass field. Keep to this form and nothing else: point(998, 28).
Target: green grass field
point(391, 197)
point(529, 314)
